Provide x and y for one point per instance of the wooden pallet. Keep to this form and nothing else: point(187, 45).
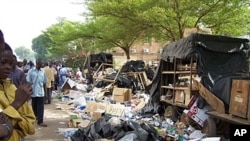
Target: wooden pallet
point(101, 68)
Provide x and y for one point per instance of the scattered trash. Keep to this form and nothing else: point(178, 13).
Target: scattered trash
point(105, 111)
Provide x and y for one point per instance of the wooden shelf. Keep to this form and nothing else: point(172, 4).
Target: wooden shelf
point(229, 117)
point(181, 105)
point(179, 72)
point(168, 101)
point(174, 103)
point(175, 88)
point(179, 88)
point(103, 79)
point(177, 77)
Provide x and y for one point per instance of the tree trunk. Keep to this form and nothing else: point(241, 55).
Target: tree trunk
point(126, 50)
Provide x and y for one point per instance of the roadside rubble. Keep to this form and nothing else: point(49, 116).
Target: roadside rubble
point(112, 109)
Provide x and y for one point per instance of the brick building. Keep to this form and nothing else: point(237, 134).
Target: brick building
point(149, 52)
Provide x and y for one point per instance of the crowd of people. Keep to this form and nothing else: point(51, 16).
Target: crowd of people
point(24, 89)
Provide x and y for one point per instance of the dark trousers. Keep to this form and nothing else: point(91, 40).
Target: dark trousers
point(54, 85)
point(47, 97)
point(37, 104)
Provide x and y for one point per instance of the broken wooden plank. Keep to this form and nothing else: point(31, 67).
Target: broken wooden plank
point(210, 98)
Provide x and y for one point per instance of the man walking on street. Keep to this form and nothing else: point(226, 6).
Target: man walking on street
point(37, 77)
point(50, 73)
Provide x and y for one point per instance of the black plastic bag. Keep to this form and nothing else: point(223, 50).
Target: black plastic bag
point(78, 136)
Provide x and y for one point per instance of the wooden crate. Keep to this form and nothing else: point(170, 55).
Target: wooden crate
point(240, 98)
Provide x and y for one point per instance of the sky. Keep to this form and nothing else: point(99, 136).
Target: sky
point(23, 20)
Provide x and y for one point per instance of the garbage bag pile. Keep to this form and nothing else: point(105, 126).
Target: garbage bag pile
point(116, 129)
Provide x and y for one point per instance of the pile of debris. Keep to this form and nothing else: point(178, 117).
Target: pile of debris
point(112, 108)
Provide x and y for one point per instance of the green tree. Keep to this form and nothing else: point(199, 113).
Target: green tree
point(113, 32)
point(119, 23)
point(99, 34)
point(66, 38)
point(39, 45)
point(167, 19)
point(23, 52)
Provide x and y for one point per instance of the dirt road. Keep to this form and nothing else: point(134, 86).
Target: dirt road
point(55, 119)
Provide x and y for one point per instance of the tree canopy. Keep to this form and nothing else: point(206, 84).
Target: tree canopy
point(167, 19)
point(24, 53)
point(123, 23)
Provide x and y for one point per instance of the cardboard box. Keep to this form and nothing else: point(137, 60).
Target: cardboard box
point(182, 96)
point(179, 96)
point(95, 106)
point(79, 123)
point(115, 110)
point(188, 97)
point(97, 114)
point(65, 107)
point(84, 124)
point(75, 122)
point(240, 98)
point(68, 85)
point(122, 94)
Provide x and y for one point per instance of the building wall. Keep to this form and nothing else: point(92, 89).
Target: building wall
point(149, 52)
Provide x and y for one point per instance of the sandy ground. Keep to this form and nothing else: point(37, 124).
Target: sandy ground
point(55, 119)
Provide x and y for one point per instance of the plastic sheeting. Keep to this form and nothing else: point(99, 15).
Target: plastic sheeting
point(219, 59)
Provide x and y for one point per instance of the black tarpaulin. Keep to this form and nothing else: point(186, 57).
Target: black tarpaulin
point(185, 47)
point(219, 60)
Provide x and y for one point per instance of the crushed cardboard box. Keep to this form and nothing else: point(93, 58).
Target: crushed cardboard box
point(94, 106)
point(122, 94)
point(79, 123)
point(68, 85)
point(64, 107)
point(115, 109)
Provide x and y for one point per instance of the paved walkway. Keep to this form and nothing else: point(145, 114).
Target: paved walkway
point(55, 119)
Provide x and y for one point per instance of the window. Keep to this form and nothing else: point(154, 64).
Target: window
point(161, 50)
point(133, 50)
point(146, 50)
